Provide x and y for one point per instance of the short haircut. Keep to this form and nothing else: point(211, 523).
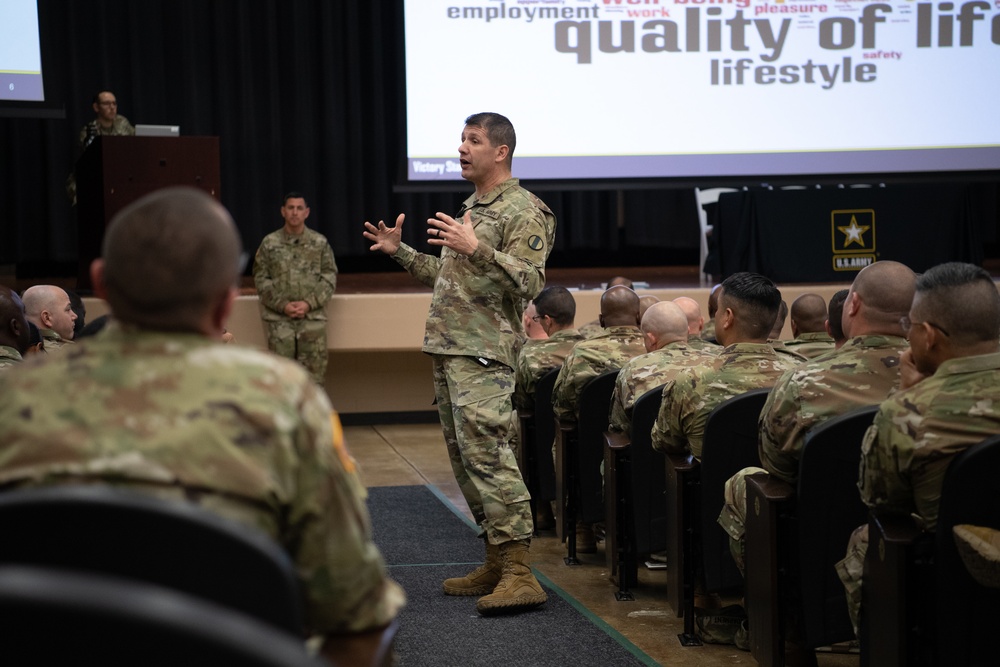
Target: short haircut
point(809, 313)
point(835, 313)
point(294, 195)
point(961, 299)
point(755, 299)
point(886, 288)
point(169, 257)
point(558, 303)
point(499, 130)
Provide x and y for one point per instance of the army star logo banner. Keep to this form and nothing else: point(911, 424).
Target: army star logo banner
point(853, 237)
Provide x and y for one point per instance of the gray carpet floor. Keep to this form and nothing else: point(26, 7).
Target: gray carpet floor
point(424, 542)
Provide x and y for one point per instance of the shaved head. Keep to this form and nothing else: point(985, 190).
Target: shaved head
point(886, 288)
point(619, 307)
point(666, 322)
point(49, 307)
point(808, 314)
point(692, 311)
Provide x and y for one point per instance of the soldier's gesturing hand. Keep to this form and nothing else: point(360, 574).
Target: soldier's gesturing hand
point(458, 235)
point(386, 239)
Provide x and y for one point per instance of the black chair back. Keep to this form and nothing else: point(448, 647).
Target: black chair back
point(54, 617)
point(545, 434)
point(829, 508)
point(649, 479)
point(172, 544)
point(730, 444)
point(966, 613)
point(595, 403)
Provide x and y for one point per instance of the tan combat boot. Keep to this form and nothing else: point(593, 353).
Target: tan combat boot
point(517, 589)
point(480, 581)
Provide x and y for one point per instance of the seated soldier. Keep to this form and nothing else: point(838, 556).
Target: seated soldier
point(621, 341)
point(810, 338)
point(949, 400)
point(696, 324)
point(748, 306)
point(15, 337)
point(665, 335)
point(156, 404)
point(555, 310)
point(49, 308)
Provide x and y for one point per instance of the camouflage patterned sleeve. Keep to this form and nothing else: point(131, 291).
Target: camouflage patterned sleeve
point(880, 479)
point(619, 420)
point(665, 433)
point(345, 577)
point(517, 266)
point(563, 402)
point(420, 265)
point(782, 428)
point(264, 279)
point(326, 284)
point(523, 383)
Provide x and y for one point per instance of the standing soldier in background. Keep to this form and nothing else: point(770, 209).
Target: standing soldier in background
point(295, 274)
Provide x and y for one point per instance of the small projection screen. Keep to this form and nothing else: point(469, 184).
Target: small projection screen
point(20, 52)
point(612, 89)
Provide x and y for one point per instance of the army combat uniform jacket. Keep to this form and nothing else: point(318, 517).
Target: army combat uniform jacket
point(478, 301)
point(294, 267)
point(537, 358)
point(244, 434)
point(863, 372)
point(589, 358)
point(645, 372)
point(917, 432)
point(695, 392)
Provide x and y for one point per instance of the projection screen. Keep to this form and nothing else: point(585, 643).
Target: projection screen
point(692, 88)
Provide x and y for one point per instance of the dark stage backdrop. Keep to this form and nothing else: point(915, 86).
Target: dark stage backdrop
point(305, 95)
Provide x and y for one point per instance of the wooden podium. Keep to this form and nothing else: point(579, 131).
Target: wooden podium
point(115, 171)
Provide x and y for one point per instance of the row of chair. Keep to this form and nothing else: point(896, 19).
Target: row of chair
point(794, 535)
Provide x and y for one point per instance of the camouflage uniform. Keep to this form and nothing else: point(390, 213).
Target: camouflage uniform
point(120, 127)
point(863, 372)
point(537, 358)
point(908, 448)
point(811, 345)
point(9, 357)
point(787, 352)
point(52, 340)
point(592, 329)
point(708, 333)
point(473, 332)
point(696, 342)
point(590, 358)
point(694, 392)
point(296, 267)
point(645, 372)
point(242, 433)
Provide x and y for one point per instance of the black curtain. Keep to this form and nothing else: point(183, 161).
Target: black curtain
point(305, 95)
